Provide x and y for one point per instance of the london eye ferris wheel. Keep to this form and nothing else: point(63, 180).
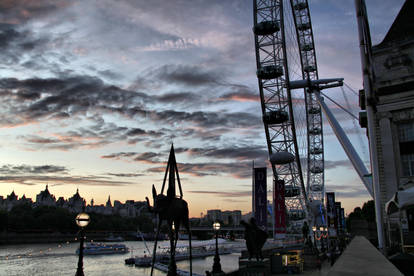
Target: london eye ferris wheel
point(292, 118)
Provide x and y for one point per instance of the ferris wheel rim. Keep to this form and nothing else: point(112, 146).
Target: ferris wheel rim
point(308, 192)
point(306, 75)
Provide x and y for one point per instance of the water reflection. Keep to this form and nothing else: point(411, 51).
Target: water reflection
point(60, 259)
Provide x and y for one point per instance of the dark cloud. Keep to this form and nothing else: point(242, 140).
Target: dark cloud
point(28, 169)
point(94, 136)
point(61, 98)
point(178, 97)
point(125, 174)
point(186, 75)
point(146, 157)
point(63, 180)
point(227, 194)
point(239, 169)
point(21, 11)
point(15, 43)
point(238, 92)
point(209, 119)
point(235, 169)
point(235, 152)
point(119, 155)
point(71, 96)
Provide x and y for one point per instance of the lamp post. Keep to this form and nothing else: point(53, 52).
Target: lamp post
point(82, 220)
point(314, 235)
point(216, 264)
point(322, 230)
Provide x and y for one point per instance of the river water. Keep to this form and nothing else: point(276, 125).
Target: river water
point(60, 259)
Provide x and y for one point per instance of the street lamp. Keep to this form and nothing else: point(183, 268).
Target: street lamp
point(314, 235)
point(82, 220)
point(216, 264)
point(322, 230)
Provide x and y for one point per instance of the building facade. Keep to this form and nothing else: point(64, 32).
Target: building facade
point(393, 105)
point(393, 66)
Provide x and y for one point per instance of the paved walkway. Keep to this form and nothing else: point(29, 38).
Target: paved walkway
point(362, 258)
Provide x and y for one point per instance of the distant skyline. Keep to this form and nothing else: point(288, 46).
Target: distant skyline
point(92, 93)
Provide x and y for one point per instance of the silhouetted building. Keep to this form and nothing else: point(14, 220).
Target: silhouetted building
point(76, 203)
point(45, 198)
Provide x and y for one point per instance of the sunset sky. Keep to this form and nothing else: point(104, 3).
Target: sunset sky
point(92, 93)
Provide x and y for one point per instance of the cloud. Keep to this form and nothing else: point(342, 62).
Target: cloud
point(242, 96)
point(186, 75)
point(338, 163)
point(208, 119)
point(21, 11)
point(16, 43)
point(235, 169)
point(235, 152)
point(178, 97)
point(63, 180)
point(226, 194)
point(36, 99)
point(29, 169)
point(145, 157)
point(125, 174)
point(350, 191)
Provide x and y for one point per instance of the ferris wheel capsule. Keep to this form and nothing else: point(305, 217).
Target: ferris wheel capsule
point(314, 110)
point(291, 191)
point(300, 6)
point(281, 158)
point(270, 72)
point(309, 68)
point(304, 26)
point(307, 47)
point(275, 117)
point(266, 28)
point(316, 188)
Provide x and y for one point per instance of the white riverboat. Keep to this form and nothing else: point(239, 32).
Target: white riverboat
point(93, 248)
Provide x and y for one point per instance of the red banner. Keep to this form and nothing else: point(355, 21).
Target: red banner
point(279, 207)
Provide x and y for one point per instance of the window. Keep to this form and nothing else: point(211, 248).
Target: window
point(407, 162)
point(406, 140)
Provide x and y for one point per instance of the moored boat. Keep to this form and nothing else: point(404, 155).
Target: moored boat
point(103, 249)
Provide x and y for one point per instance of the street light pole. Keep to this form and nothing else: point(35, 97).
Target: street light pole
point(216, 264)
point(314, 236)
point(82, 220)
point(79, 271)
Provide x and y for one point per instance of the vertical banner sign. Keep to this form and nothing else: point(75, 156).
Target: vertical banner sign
point(260, 197)
point(279, 206)
point(330, 212)
point(338, 221)
point(343, 220)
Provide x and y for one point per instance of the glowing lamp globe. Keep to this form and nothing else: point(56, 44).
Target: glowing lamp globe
point(216, 226)
point(82, 219)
